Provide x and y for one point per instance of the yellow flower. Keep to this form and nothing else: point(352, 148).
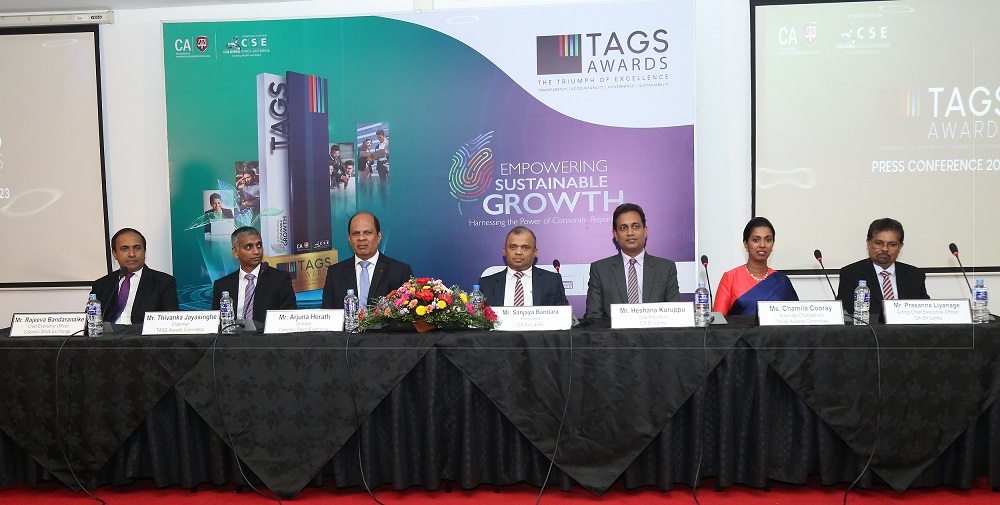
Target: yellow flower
point(441, 304)
point(421, 310)
point(465, 299)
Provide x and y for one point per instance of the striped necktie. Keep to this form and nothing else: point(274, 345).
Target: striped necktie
point(633, 282)
point(518, 290)
point(887, 293)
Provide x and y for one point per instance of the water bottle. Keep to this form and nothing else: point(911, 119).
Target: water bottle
point(351, 307)
point(476, 298)
point(95, 319)
point(862, 302)
point(980, 303)
point(702, 310)
point(227, 319)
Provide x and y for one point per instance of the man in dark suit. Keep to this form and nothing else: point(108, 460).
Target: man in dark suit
point(128, 293)
point(886, 277)
point(631, 276)
point(522, 283)
point(264, 287)
point(369, 273)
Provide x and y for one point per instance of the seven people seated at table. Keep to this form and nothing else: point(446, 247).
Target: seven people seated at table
point(631, 276)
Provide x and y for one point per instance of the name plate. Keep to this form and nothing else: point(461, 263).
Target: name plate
point(652, 315)
point(293, 321)
point(186, 322)
point(534, 318)
point(927, 311)
point(48, 325)
point(800, 313)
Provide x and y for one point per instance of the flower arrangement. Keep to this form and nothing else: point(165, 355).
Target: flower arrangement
point(426, 302)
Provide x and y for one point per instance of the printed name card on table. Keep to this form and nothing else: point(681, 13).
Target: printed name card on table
point(189, 322)
point(294, 321)
point(800, 313)
point(534, 318)
point(47, 325)
point(652, 315)
point(927, 311)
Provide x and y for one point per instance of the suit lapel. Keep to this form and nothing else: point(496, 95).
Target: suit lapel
point(499, 287)
point(618, 274)
point(378, 277)
point(648, 271)
point(535, 285)
point(145, 283)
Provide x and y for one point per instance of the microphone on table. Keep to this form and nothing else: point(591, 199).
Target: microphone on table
point(954, 250)
point(819, 258)
point(708, 281)
point(555, 264)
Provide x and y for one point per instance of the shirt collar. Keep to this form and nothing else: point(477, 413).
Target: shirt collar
point(255, 272)
point(639, 258)
point(891, 269)
point(510, 273)
point(373, 260)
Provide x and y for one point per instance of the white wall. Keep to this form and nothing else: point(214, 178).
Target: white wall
point(136, 145)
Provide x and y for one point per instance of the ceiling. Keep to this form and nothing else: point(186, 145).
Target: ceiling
point(37, 6)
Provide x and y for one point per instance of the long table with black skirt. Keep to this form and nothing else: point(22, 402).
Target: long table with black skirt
point(751, 404)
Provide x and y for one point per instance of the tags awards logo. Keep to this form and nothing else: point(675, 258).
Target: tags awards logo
point(471, 170)
point(559, 54)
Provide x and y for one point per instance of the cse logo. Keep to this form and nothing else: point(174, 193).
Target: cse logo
point(184, 45)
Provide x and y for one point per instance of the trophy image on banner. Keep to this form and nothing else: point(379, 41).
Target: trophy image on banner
point(293, 146)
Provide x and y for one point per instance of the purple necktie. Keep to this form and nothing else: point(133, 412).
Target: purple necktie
point(248, 298)
point(123, 296)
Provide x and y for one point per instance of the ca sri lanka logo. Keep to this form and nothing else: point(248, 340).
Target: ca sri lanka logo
point(471, 172)
point(201, 42)
point(559, 54)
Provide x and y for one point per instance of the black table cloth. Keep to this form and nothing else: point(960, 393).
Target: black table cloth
point(639, 405)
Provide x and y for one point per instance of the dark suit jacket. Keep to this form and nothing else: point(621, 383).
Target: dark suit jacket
point(608, 284)
point(273, 290)
point(389, 275)
point(156, 291)
point(909, 284)
point(546, 287)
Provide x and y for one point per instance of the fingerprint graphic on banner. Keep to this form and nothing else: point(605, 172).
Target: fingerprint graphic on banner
point(471, 170)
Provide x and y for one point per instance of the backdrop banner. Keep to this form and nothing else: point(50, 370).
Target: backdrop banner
point(546, 117)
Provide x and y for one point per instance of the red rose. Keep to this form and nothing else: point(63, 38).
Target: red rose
point(422, 280)
point(489, 314)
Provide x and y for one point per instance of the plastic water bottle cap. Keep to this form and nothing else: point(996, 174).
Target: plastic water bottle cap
point(93, 296)
point(979, 281)
point(862, 283)
point(350, 292)
point(475, 287)
point(225, 293)
point(701, 284)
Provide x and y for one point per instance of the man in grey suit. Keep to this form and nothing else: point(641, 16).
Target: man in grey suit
point(631, 276)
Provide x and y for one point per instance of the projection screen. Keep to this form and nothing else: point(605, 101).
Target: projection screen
point(52, 197)
point(865, 110)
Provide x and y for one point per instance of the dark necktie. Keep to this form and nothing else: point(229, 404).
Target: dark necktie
point(123, 296)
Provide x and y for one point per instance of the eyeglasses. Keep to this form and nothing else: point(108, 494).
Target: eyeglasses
point(878, 244)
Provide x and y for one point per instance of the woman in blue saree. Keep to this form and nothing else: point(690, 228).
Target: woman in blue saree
point(742, 287)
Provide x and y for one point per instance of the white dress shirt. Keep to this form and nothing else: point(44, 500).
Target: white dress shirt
point(126, 317)
point(508, 290)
